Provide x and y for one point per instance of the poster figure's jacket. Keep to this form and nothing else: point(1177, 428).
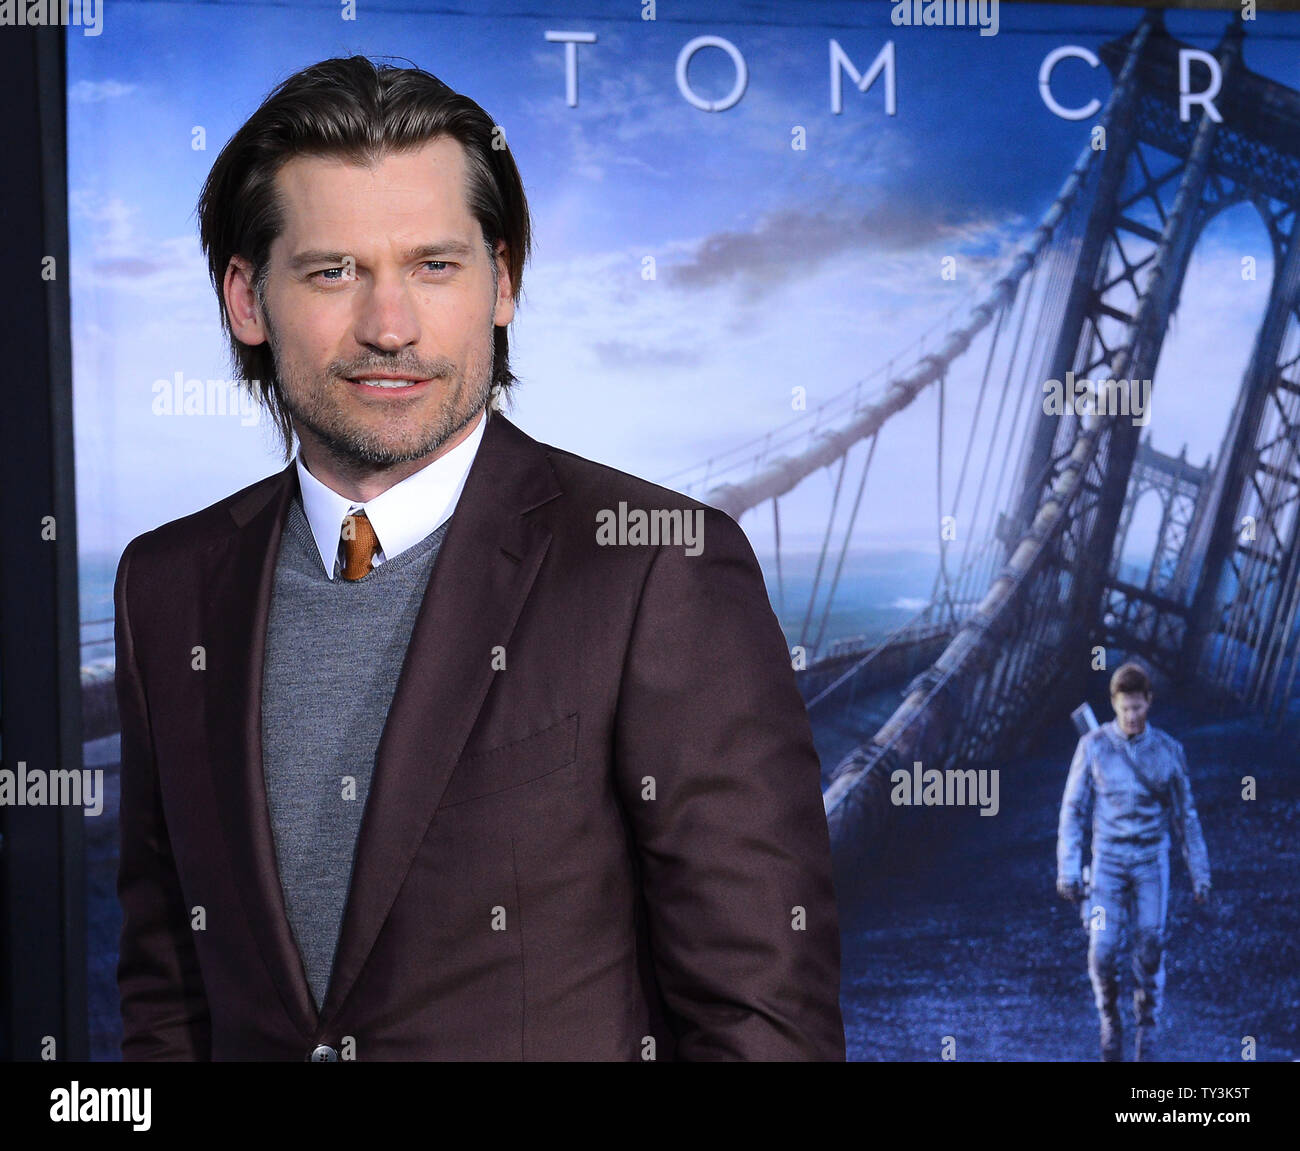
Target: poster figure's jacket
point(1139, 792)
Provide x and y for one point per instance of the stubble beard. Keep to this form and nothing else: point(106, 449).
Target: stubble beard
point(315, 405)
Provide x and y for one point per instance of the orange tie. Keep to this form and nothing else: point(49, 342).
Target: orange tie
point(359, 545)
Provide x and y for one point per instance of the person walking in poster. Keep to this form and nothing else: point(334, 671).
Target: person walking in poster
point(1134, 778)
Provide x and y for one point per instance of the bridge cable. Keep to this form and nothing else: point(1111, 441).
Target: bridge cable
point(821, 559)
point(974, 558)
point(848, 532)
point(970, 441)
point(780, 581)
point(943, 542)
point(1057, 285)
point(969, 563)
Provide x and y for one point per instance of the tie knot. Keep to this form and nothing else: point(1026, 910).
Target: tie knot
point(359, 545)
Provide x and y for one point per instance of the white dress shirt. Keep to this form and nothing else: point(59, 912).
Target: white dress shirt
point(403, 515)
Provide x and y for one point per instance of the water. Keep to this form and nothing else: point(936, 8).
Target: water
point(877, 592)
point(97, 571)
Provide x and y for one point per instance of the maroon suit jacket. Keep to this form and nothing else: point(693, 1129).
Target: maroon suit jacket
point(613, 848)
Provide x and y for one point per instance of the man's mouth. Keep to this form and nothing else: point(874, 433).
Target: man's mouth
point(388, 383)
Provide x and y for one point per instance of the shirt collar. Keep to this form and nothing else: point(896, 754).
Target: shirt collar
point(402, 515)
point(1121, 740)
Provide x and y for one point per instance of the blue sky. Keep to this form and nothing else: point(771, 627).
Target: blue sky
point(774, 267)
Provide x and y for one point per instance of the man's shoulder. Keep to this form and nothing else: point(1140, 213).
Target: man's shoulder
point(1165, 741)
point(589, 481)
point(190, 534)
point(1085, 751)
point(1090, 740)
point(595, 489)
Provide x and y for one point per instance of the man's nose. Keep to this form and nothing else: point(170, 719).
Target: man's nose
point(386, 314)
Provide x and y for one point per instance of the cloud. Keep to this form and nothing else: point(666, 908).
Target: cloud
point(796, 242)
point(127, 268)
point(97, 91)
point(113, 217)
point(624, 354)
point(116, 248)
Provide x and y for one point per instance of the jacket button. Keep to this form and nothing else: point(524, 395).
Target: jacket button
point(323, 1054)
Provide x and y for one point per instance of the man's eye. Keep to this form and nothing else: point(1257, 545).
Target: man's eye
point(336, 275)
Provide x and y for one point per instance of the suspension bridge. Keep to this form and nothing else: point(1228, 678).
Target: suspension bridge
point(1045, 499)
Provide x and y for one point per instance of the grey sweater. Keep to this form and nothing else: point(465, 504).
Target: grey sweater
point(333, 653)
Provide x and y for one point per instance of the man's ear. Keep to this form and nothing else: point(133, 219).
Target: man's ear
point(503, 310)
point(243, 311)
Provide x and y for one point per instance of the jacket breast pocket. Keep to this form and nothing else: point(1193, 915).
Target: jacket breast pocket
point(516, 762)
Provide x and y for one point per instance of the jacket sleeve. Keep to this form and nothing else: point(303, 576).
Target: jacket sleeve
point(164, 1009)
point(717, 769)
point(1075, 807)
point(1186, 823)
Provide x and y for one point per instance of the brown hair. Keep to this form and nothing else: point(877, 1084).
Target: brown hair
point(1130, 677)
point(354, 109)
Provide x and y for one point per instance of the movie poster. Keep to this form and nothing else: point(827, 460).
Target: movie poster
point(979, 318)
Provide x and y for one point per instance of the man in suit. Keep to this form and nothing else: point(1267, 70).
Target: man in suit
point(443, 743)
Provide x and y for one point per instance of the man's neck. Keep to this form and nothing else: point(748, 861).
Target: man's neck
point(362, 482)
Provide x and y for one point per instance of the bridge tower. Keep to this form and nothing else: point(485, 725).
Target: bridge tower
point(1230, 600)
point(1222, 600)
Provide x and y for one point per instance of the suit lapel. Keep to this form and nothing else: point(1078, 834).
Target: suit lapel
point(481, 579)
point(238, 576)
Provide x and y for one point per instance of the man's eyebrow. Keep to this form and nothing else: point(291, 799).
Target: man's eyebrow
point(432, 251)
point(442, 248)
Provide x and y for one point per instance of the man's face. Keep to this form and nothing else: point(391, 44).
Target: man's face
point(381, 272)
point(1131, 711)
